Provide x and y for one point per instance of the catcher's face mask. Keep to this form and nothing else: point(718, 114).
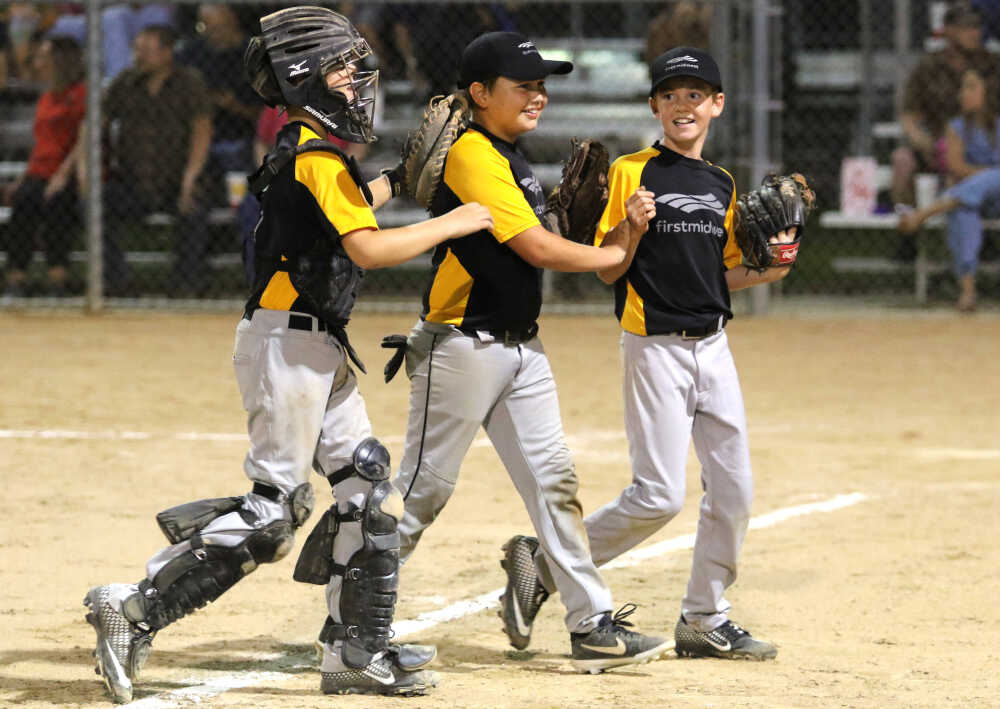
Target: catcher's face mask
point(304, 46)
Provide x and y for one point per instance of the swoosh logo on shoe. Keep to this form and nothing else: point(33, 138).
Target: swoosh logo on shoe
point(618, 649)
point(723, 647)
point(522, 627)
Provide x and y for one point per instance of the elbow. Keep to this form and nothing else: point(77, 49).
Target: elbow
point(366, 261)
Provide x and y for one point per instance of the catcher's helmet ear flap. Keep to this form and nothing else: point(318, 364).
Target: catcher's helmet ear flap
point(305, 44)
point(260, 75)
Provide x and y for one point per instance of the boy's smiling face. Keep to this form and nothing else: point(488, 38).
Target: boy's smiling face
point(510, 107)
point(685, 106)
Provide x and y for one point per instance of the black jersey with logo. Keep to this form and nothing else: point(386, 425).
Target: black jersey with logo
point(677, 279)
point(478, 281)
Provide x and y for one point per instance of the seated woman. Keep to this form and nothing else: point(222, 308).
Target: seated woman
point(973, 158)
point(44, 200)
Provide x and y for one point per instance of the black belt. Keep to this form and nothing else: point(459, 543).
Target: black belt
point(507, 337)
point(305, 322)
point(697, 333)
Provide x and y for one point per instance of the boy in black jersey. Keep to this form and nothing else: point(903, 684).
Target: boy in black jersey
point(680, 382)
point(475, 359)
point(292, 359)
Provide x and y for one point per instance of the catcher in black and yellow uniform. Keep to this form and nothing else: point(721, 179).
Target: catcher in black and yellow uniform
point(315, 234)
point(680, 381)
point(475, 360)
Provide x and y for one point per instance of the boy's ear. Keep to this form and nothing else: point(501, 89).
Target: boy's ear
point(652, 106)
point(478, 92)
point(718, 103)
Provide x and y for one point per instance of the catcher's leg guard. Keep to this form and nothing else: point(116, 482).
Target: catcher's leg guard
point(224, 549)
point(371, 578)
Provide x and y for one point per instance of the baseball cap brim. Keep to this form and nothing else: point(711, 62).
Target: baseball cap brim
point(549, 66)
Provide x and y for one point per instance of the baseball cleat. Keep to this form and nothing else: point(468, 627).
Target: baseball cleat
point(611, 644)
point(122, 646)
point(381, 676)
point(408, 657)
point(728, 641)
point(524, 594)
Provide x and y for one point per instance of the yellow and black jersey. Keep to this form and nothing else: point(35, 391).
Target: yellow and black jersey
point(677, 280)
point(308, 205)
point(478, 282)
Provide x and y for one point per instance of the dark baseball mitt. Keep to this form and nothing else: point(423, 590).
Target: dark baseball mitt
point(426, 147)
point(575, 205)
point(781, 202)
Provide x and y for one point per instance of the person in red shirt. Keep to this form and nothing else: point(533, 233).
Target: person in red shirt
point(44, 200)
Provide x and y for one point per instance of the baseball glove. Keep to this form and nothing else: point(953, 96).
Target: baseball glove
point(781, 202)
point(575, 205)
point(426, 147)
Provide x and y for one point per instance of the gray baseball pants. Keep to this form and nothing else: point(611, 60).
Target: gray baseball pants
point(459, 383)
point(676, 391)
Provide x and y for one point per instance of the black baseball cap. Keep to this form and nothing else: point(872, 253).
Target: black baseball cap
point(685, 61)
point(507, 54)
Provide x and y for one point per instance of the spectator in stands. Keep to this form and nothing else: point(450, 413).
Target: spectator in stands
point(973, 161)
point(44, 200)
point(23, 20)
point(159, 121)
point(218, 54)
point(429, 38)
point(680, 23)
point(120, 23)
point(931, 98)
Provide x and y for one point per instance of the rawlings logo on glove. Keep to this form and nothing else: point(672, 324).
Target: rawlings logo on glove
point(781, 203)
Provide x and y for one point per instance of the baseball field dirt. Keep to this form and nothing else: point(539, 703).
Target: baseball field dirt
point(871, 564)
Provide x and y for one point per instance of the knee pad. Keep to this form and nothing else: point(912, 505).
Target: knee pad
point(370, 461)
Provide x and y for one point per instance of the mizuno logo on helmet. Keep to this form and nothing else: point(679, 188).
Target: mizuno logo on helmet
point(297, 69)
point(685, 58)
point(688, 203)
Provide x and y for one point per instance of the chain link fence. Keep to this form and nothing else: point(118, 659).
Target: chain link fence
point(150, 206)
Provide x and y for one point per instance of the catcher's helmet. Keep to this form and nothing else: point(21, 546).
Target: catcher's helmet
point(287, 65)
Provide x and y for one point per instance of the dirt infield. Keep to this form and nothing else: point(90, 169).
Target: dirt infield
point(885, 602)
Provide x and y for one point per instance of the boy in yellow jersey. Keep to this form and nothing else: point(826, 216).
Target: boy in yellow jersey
point(672, 300)
point(315, 234)
point(475, 359)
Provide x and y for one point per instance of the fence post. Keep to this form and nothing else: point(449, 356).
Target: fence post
point(760, 296)
point(95, 44)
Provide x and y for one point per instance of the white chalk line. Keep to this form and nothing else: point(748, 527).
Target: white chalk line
point(582, 444)
point(484, 601)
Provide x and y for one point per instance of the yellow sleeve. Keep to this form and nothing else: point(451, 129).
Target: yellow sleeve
point(327, 178)
point(622, 182)
point(476, 172)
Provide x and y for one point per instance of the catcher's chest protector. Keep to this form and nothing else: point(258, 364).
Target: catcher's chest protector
point(323, 275)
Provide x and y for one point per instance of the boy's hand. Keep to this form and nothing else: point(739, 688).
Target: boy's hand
point(640, 207)
point(468, 219)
